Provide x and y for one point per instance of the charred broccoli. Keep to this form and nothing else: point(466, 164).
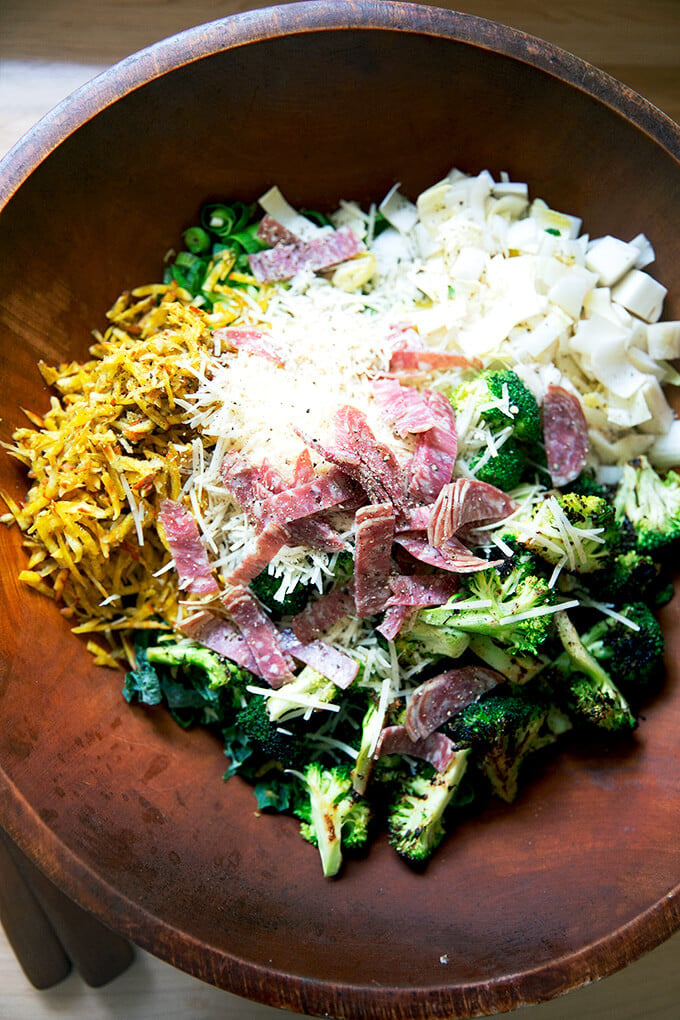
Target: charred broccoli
point(416, 817)
point(650, 503)
point(333, 816)
point(503, 729)
point(592, 698)
point(568, 530)
point(268, 741)
point(510, 603)
point(632, 652)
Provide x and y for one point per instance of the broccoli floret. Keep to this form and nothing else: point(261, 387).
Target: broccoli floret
point(634, 655)
point(591, 696)
point(267, 587)
point(423, 642)
point(503, 730)
point(266, 739)
point(517, 667)
point(370, 727)
point(332, 814)
point(416, 816)
point(500, 602)
point(502, 399)
point(568, 530)
point(197, 685)
point(188, 654)
point(631, 575)
point(504, 469)
point(650, 503)
point(309, 689)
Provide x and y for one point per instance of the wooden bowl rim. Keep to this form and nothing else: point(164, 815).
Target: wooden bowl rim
point(595, 961)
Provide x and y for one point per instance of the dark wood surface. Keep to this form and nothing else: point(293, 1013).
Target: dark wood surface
point(127, 814)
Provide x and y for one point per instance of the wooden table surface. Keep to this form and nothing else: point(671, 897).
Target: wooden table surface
point(47, 49)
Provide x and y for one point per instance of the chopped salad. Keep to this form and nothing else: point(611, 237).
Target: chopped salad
point(383, 497)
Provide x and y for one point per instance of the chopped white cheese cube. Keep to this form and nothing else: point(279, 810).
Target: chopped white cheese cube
point(640, 294)
point(611, 258)
point(663, 340)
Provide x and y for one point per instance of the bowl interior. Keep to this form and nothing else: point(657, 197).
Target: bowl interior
point(126, 811)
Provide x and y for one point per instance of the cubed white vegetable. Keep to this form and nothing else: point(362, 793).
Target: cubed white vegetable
point(570, 289)
point(647, 253)
point(611, 258)
point(598, 302)
point(505, 187)
point(274, 203)
point(664, 453)
point(399, 212)
point(620, 449)
point(470, 264)
point(661, 415)
point(390, 247)
point(353, 274)
point(550, 219)
point(663, 340)
point(640, 294)
point(524, 235)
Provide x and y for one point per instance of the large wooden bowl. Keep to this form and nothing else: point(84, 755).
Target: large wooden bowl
point(124, 811)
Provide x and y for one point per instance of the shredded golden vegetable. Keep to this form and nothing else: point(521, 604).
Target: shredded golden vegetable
point(102, 458)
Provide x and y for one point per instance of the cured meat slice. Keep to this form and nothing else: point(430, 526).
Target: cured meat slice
point(260, 634)
point(251, 341)
point(465, 502)
point(270, 540)
point(187, 549)
point(221, 636)
point(451, 555)
point(372, 557)
point(331, 489)
point(271, 232)
point(433, 460)
point(331, 662)
point(419, 360)
point(243, 481)
point(394, 619)
point(419, 590)
point(371, 463)
point(283, 261)
point(405, 409)
point(303, 471)
point(437, 748)
point(321, 614)
point(441, 697)
point(565, 432)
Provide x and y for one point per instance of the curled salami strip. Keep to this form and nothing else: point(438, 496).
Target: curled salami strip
point(188, 551)
point(433, 460)
point(321, 614)
point(221, 636)
point(283, 261)
point(326, 659)
point(441, 697)
point(466, 502)
point(372, 559)
point(271, 232)
point(261, 635)
point(419, 590)
point(566, 435)
point(251, 341)
point(404, 408)
point(437, 748)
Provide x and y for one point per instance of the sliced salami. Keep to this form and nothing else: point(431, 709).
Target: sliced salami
point(438, 699)
point(565, 432)
point(188, 552)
